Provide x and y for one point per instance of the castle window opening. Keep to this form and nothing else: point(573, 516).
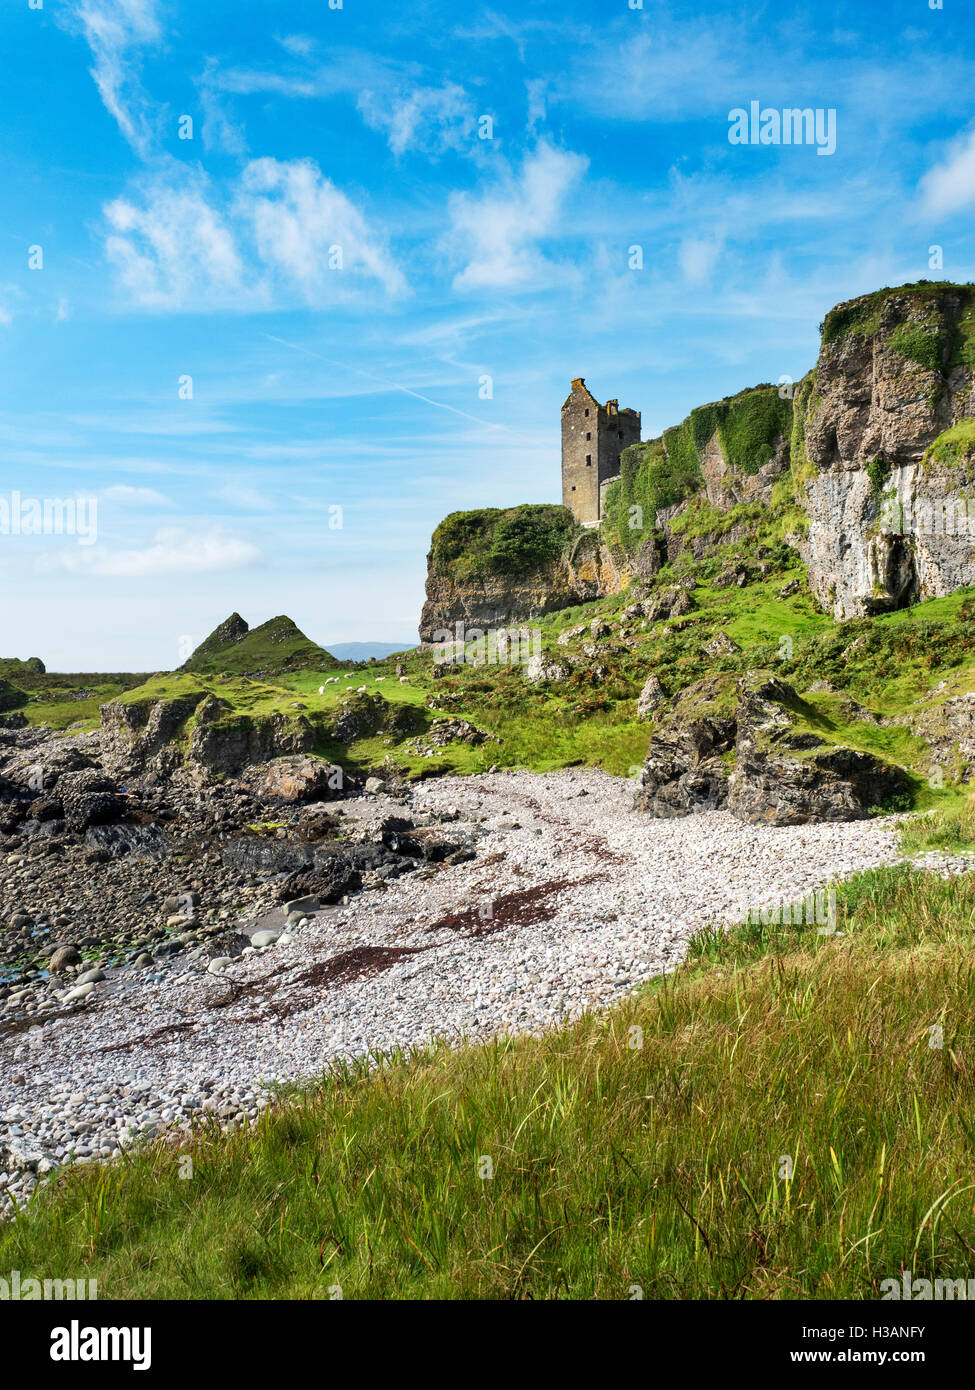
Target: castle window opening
point(589, 434)
point(589, 460)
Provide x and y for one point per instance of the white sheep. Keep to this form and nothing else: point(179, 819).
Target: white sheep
point(403, 680)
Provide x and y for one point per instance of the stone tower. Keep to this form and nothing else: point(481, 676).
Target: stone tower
point(593, 437)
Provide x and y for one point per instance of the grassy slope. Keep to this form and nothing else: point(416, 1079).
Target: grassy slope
point(615, 1164)
point(277, 645)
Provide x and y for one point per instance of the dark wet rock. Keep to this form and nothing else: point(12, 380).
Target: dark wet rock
point(686, 766)
point(62, 957)
point(88, 798)
point(139, 841)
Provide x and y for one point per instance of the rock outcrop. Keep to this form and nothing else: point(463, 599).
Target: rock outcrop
point(885, 463)
point(748, 744)
point(195, 732)
point(488, 602)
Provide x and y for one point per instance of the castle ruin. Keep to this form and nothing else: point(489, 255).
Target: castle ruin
point(593, 437)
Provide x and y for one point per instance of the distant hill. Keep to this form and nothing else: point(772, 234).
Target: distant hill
point(276, 646)
point(13, 669)
point(362, 651)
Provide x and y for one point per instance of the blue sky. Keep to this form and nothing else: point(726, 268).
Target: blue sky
point(316, 387)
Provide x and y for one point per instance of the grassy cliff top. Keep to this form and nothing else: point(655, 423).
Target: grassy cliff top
point(862, 315)
point(508, 540)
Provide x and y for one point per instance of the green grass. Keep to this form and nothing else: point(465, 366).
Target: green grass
point(949, 828)
point(276, 646)
point(641, 1147)
point(953, 445)
point(493, 541)
point(50, 708)
point(662, 472)
point(919, 344)
point(862, 315)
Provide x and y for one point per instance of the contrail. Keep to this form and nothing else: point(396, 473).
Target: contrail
point(391, 385)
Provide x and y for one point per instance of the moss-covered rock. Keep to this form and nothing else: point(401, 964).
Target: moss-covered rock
point(748, 743)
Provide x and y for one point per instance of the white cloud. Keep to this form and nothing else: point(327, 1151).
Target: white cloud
point(171, 247)
point(950, 186)
point(218, 130)
point(115, 31)
point(136, 496)
point(496, 233)
point(698, 257)
point(174, 551)
point(297, 217)
point(242, 495)
point(432, 119)
point(301, 45)
point(537, 104)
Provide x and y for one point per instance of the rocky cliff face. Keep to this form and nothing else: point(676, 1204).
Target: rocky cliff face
point(488, 601)
point(197, 733)
point(877, 449)
point(881, 452)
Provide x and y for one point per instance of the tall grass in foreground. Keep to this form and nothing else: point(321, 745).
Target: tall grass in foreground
point(648, 1146)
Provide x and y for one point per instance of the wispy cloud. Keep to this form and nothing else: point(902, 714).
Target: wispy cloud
point(431, 119)
point(219, 130)
point(698, 257)
point(278, 232)
point(308, 229)
point(414, 115)
point(170, 246)
point(174, 550)
point(117, 31)
point(950, 185)
point(497, 234)
point(136, 496)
